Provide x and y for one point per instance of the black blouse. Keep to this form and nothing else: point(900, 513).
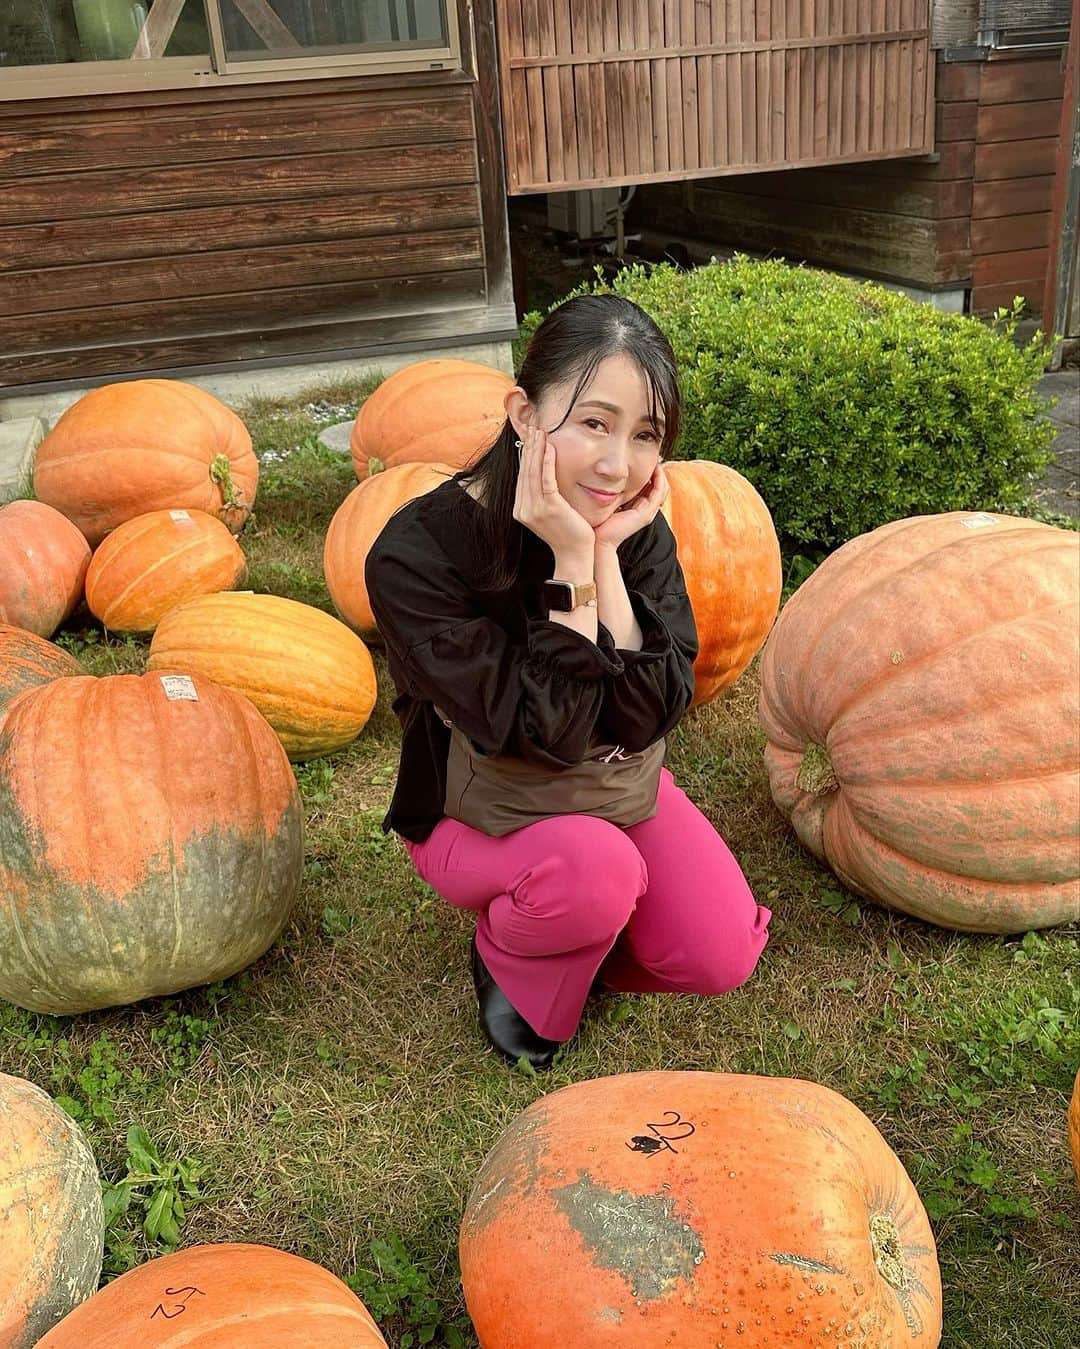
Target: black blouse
point(513, 681)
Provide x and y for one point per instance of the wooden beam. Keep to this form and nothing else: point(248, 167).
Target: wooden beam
point(267, 25)
point(1063, 263)
point(158, 29)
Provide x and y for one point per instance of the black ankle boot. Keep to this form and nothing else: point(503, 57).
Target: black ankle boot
point(503, 1025)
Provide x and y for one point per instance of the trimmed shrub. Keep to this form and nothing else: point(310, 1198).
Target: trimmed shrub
point(845, 404)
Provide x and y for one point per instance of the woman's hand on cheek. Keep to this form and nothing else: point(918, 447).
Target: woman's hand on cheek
point(541, 507)
point(635, 514)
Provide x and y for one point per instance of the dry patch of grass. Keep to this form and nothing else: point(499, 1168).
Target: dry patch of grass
point(339, 1093)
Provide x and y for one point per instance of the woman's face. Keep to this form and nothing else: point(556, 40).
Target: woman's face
point(605, 449)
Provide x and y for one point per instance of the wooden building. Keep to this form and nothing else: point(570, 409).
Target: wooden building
point(191, 185)
point(973, 221)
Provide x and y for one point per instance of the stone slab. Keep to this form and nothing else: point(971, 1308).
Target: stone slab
point(1064, 385)
point(19, 440)
point(336, 438)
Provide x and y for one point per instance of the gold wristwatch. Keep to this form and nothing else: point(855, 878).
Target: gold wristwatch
point(564, 596)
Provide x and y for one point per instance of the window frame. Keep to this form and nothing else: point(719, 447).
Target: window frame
point(215, 71)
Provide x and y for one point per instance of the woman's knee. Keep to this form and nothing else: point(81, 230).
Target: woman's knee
point(729, 963)
point(592, 877)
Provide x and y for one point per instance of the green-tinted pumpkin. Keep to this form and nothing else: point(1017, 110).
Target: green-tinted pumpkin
point(166, 852)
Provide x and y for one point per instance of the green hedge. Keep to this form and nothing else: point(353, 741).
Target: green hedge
point(846, 404)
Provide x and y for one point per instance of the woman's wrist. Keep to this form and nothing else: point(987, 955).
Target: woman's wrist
point(576, 566)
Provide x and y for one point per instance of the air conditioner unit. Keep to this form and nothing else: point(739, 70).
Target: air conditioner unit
point(589, 214)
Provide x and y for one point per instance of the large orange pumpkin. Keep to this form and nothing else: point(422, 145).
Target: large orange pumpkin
point(27, 660)
point(166, 852)
point(730, 556)
point(310, 677)
point(230, 1296)
point(697, 1209)
point(149, 444)
point(436, 412)
point(921, 698)
point(356, 525)
point(52, 1224)
point(1074, 1127)
point(154, 562)
point(43, 562)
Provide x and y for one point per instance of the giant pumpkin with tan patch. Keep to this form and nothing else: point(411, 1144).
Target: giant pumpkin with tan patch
point(697, 1209)
point(151, 839)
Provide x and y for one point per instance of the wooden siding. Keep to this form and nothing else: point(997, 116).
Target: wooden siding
point(598, 92)
point(975, 215)
point(896, 220)
point(1018, 122)
point(201, 227)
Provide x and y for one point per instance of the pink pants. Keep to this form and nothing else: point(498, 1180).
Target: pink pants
point(659, 907)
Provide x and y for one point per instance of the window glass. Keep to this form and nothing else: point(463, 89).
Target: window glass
point(278, 29)
point(57, 32)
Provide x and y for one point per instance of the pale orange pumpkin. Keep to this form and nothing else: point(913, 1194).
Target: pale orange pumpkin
point(43, 562)
point(154, 562)
point(440, 412)
point(921, 698)
point(730, 557)
point(230, 1296)
point(307, 673)
point(144, 445)
point(27, 660)
point(52, 1224)
point(701, 1209)
point(166, 851)
point(356, 525)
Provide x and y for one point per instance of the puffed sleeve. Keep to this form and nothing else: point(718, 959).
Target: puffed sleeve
point(647, 698)
point(538, 700)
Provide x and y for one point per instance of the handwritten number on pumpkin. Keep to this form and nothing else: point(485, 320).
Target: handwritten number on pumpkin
point(671, 1129)
point(182, 1295)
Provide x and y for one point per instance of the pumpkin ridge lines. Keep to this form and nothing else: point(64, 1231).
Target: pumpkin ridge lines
point(260, 805)
point(27, 815)
point(157, 709)
point(251, 1316)
point(963, 784)
point(1030, 688)
point(183, 547)
point(998, 899)
point(891, 671)
point(891, 575)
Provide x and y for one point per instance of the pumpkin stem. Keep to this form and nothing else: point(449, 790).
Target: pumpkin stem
point(888, 1250)
point(816, 774)
point(375, 466)
point(221, 473)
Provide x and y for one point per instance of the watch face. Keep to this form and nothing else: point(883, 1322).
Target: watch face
point(558, 595)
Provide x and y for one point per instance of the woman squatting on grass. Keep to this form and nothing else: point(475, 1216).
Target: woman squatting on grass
point(542, 644)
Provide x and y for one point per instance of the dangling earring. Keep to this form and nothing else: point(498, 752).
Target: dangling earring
point(518, 445)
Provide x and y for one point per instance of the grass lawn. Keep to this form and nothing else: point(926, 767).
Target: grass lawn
point(339, 1093)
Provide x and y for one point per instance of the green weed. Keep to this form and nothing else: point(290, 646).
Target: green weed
point(400, 1297)
point(157, 1191)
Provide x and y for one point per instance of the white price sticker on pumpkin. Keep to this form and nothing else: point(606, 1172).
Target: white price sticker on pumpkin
point(179, 688)
point(978, 521)
point(179, 515)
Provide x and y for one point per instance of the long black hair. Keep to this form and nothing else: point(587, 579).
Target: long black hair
point(569, 344)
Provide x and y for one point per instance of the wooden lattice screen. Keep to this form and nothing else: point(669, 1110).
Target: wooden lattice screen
point(598, 92)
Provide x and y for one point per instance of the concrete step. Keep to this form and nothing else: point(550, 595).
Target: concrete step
point(19, 440)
